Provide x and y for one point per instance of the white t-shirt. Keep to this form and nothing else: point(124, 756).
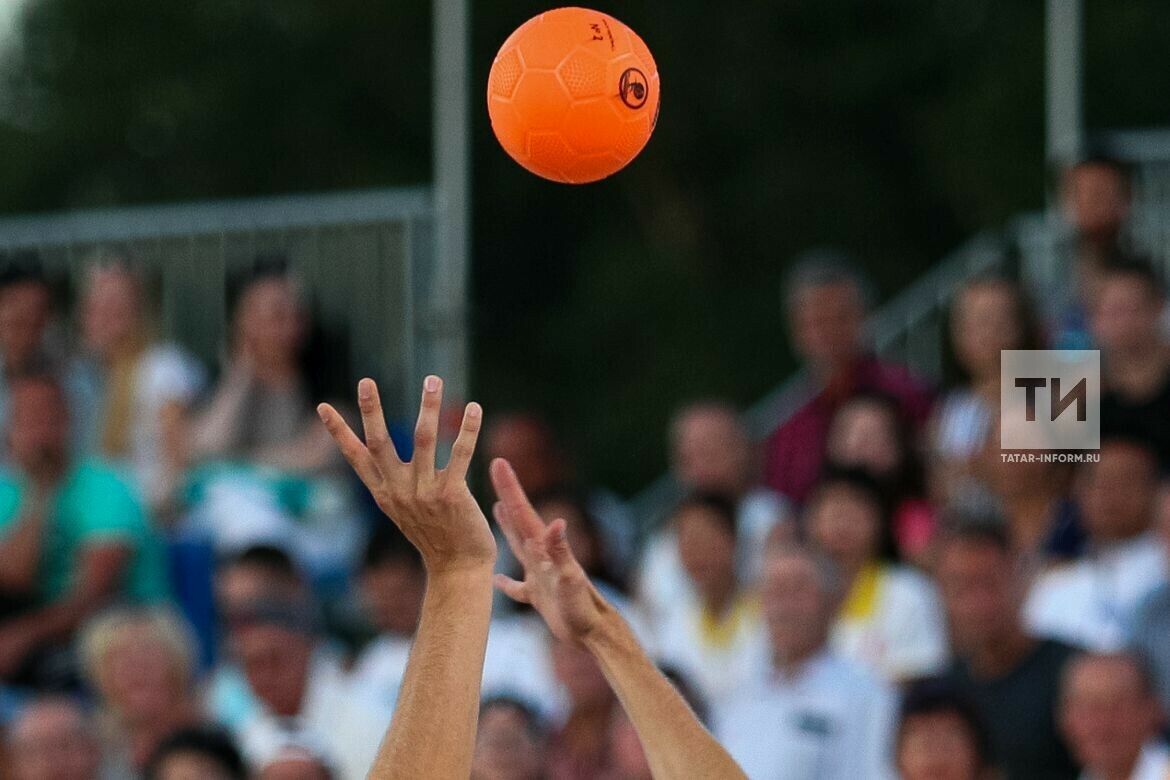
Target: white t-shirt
point(831, 721)
point(1092, 602)
point(165, 375)
point(716, 659)
point(346, 726)
point(896, 627)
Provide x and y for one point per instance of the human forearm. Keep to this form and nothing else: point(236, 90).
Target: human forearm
point(433, 731)
point(676, 743)
point(20, 551)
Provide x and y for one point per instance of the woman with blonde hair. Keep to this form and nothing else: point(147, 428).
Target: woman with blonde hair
point(141, 665)
point(138, 388)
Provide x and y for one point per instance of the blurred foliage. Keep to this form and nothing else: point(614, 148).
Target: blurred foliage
point(889, 128)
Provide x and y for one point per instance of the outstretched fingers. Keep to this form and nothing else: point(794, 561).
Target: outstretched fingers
point(374, 425)
point(464, 446)
point(351, 446)
point(556, 545)
point(426, 431)
point(526, 523)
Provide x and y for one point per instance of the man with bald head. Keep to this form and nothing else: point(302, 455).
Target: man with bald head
point(53, 739)
point(1111, 718)
point(810, 714)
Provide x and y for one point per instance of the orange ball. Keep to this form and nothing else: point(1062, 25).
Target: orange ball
point(573, 95)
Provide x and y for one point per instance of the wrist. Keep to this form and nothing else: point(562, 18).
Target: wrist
point(608, 632)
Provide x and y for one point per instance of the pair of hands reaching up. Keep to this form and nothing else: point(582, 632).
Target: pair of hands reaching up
point(435, 510)
point(433, 731)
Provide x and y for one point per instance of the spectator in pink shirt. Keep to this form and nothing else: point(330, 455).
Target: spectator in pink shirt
point(826, 308)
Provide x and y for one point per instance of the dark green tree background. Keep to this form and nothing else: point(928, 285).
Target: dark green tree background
point(889, 128)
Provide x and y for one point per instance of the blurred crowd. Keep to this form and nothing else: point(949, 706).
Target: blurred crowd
point(193, 586)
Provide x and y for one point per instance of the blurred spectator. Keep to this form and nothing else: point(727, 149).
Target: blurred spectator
point(826, 308)
point(1043, 521)
point(258, 574)
point(1111, 717)
point(941, 735)
point(141, 665)
point(25, 313)
point(53, 739)
point(1135, 361)
point(74, 536)
point(717, 636)
point(890, 620)
point(989, 314)
point(528, 442)
point(1092, 601)
point(271, 474)
point(1012, 677)
point(710, 452)
point(510, 742)
point(137, 389)
point(392, 583)
point(1151, 625)
point(1095, 196)
point(303, 692)
point(869, 433)
point(202, 753)
point(810, 713)
point(578, 748)
point(627, 758)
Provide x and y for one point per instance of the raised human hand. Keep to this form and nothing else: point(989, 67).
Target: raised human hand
point(554, 582)
point(433, 507)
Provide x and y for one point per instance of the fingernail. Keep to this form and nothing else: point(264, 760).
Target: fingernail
point(321, 412)
point(431, 384)
point(365, 389)
point(474, 410)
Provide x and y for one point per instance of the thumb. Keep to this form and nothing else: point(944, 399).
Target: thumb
point(557, 543)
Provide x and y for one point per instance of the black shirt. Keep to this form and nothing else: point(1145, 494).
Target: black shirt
point(1146, 420)
point(1019, 712)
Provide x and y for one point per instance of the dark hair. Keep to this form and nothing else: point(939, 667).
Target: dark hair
point(824, 267)
point(388, 545)
point(209, 742)
point(20, 269)
point(1138, 269)
point(719, 504)
point(860, 481)
point(908, 480)
point(535, 726)
point(937, 696)
point(267, 557)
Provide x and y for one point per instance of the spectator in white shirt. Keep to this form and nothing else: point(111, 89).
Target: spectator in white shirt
point(810, 714)
point(1111, 716)
point(392, 584)
point(711, 452)
point(1092, 602)
point(891, 619)
point(303, 691)
point(715, 637)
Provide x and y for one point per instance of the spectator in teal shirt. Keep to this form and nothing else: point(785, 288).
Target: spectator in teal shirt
point(74, 536)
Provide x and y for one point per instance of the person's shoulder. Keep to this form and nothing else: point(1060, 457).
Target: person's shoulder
point(1154, 605)
point(1054, 652)
point(167, 363)
point(850, 678)
point(94, 474)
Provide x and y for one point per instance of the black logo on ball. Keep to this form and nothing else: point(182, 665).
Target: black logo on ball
point(632, 88)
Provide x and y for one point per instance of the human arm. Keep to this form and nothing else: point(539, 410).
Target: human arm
point(433, 731)
point(676, 743)
point(20, 548)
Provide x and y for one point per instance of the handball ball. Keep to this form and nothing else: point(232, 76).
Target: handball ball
point(573, 95)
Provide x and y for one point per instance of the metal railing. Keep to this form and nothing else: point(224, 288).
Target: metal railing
point(364, 259)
